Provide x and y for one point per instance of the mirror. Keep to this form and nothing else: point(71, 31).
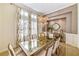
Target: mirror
point(56, 26)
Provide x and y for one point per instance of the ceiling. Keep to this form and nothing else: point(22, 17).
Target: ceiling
point(47, 8)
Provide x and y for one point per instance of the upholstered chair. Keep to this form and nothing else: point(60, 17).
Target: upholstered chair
point(13, 53)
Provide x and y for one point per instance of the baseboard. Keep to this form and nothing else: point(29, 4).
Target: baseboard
point(1, 51)
point(5, 50)
point(72, 46)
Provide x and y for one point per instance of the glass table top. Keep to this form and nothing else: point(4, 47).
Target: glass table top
point(32, 46)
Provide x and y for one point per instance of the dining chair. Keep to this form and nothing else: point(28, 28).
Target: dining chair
point(49, 50)
point(41, 53)
point(42, 34)
point(46, 51)
point(56, 47)
point(13, 53)
point(42, 38)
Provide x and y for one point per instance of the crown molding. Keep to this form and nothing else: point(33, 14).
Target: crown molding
point(28, 9)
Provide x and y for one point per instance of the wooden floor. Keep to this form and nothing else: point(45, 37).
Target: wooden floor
point(5, 53)
point(68, 50)
point(65, 50)
point(72, 51)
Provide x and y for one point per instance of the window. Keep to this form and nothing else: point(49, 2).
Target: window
point(34, 26)
point(23, 25)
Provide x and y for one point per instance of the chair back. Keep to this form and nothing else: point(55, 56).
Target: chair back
point(49, 50)
point(11, 50)
point(50, 35)
point(41, 36)
point(56, 45)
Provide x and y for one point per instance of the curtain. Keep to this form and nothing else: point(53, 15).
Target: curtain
point(23, 25)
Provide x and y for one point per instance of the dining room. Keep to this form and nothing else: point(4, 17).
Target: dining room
point(39, 29)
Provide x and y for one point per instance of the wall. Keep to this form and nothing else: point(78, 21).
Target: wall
point(8, 19)
point(71, 18)
point(68, 20)
point(72, 39)
point(61, 22)
point(78, 22)
point(72, 23)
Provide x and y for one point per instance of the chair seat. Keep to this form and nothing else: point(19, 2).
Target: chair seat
point(21, 54)
point(17, 52)
point(49, 51)
point(56, 48)
point(41, 53)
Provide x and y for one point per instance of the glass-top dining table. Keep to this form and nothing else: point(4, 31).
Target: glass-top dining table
point(33, 46)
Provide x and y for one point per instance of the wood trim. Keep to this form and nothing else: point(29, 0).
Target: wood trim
point(56, 19)
point(60, 14)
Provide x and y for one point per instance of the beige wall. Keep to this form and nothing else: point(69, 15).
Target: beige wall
point(72, 23)
point(78, 22)
point(61, 22)
point(71, 18)
point(8, 27)
point(68, 21)
point(78, 16)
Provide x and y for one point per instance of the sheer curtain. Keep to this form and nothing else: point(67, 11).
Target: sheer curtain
point(34, 26)
point(27, 27)
point(34, 30)
point(23, 25)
